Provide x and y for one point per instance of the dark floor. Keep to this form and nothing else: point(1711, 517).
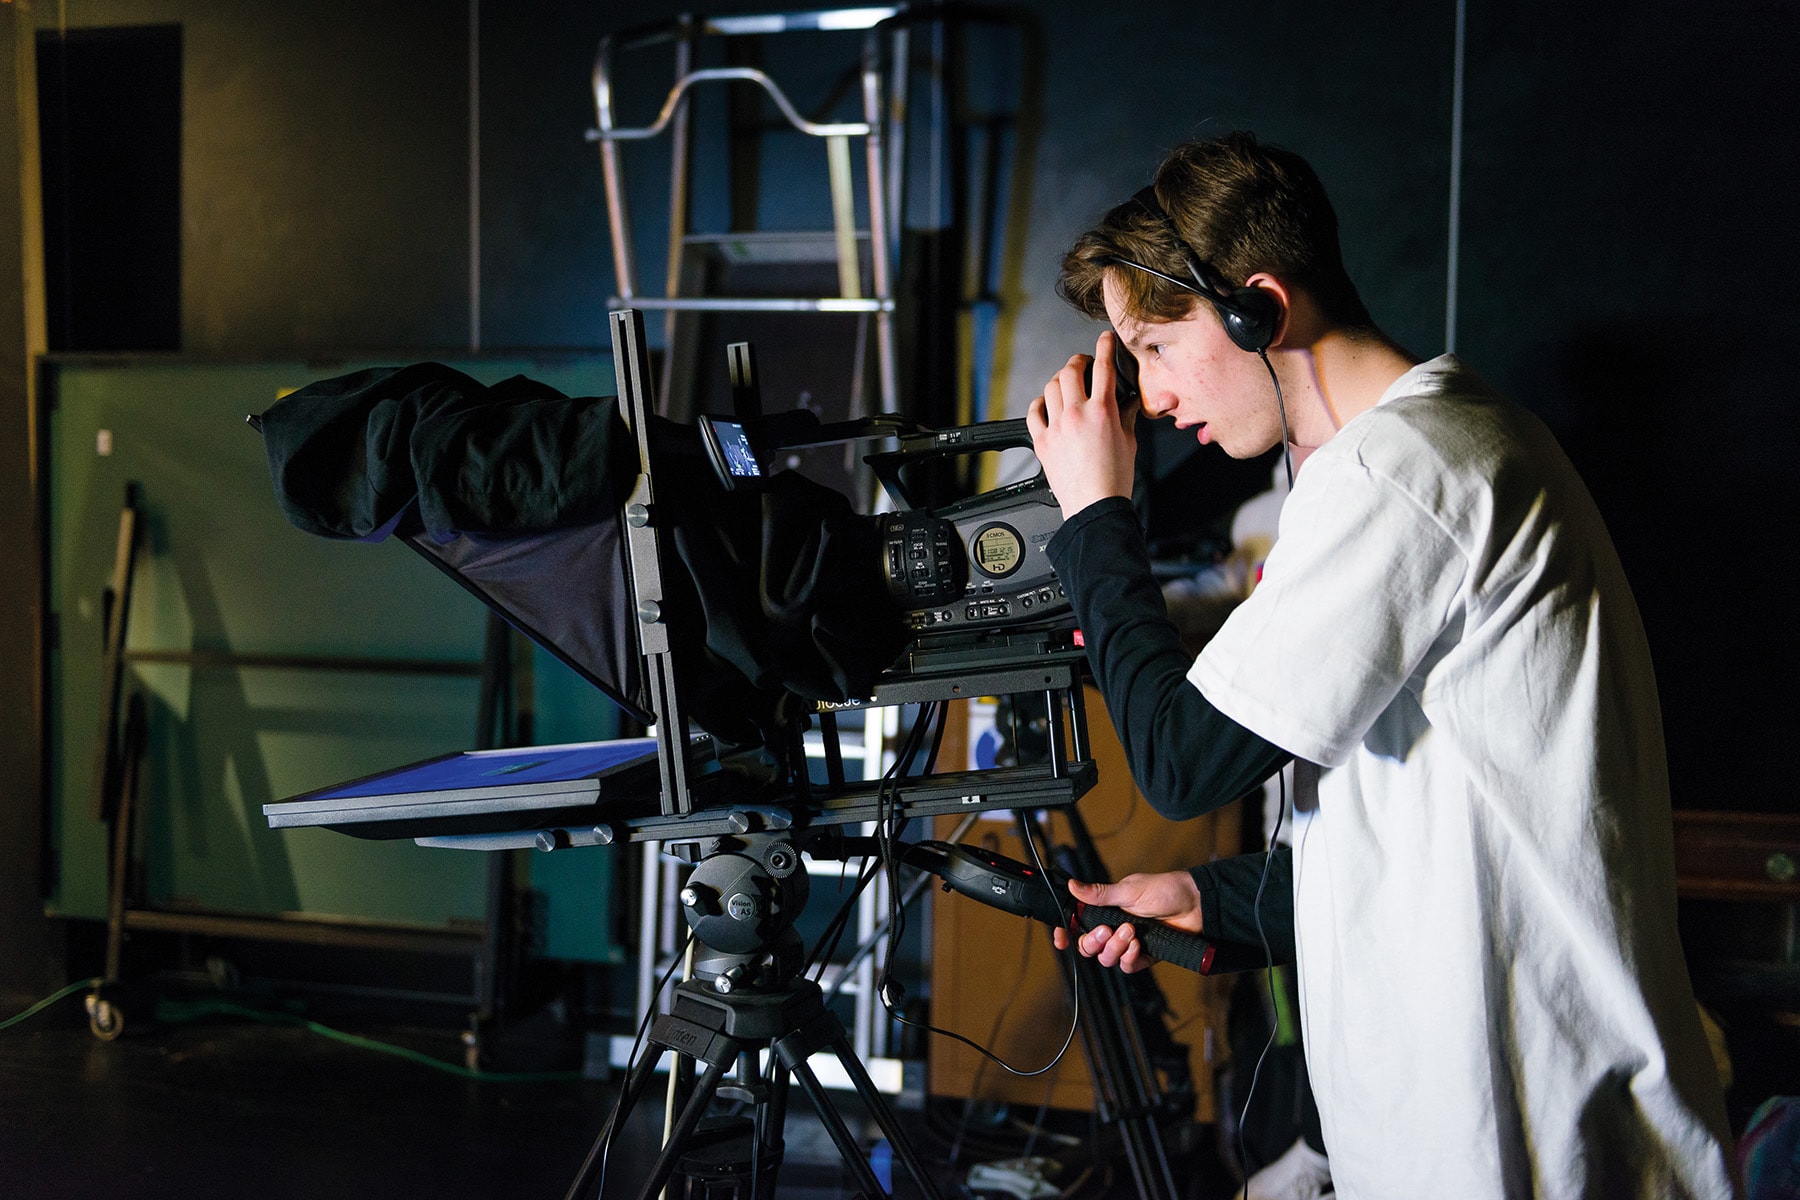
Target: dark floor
point(207, 1104)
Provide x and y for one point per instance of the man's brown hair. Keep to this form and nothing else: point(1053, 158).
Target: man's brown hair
point(1241, 207)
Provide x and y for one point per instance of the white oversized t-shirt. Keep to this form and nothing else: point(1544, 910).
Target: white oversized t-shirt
point(1494, 998)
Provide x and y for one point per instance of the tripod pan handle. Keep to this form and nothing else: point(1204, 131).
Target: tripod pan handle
point(1014, 887)
point(1168, 944)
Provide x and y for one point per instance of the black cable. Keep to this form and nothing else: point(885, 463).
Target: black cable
point(879, 935)
point(1287, 447)
point(1075, 988)
point(894, 826)
point(994, 1032)
point(826, 943)
point(945, 1134)
point(1287, 453)
point(1074, 1022)
point(937, 737)
point(1268, 957)
point(888, 826)
point(833, 933)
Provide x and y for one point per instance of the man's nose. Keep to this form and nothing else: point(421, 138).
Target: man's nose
point(1157, 402)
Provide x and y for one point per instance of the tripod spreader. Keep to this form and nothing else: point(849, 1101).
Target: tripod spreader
point(1015, 887)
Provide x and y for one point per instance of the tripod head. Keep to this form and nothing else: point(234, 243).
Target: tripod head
point(741, 902)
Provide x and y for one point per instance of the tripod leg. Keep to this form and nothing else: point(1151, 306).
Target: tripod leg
point(695, 1108)
point(884, 1116)
point(840, 1133)
point(634, 1090)
point(1124, 1082)
point(1120, 1080)
point(771, 1120)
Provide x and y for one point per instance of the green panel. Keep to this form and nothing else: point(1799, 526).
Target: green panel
point(220, 569)
point(576, 891)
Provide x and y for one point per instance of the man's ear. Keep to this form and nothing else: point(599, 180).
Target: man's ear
point(1262, 281)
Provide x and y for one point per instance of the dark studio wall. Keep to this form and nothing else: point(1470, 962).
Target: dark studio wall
point(324, 172)
point(1624, 258)
point(1628, 247)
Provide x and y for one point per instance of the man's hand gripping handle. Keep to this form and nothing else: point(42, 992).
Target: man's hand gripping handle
point(1015, 887)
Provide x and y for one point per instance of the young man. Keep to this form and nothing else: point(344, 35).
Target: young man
point(1495, 1002)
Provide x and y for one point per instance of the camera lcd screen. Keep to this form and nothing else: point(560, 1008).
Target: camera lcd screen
point(728, 445)
point(998, 550)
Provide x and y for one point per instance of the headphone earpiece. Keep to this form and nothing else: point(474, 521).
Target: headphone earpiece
point(1251, 316)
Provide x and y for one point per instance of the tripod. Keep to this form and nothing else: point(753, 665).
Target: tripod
point(1121, 1014)
point(748, 993)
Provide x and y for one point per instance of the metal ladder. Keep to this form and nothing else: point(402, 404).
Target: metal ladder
point(866, 291)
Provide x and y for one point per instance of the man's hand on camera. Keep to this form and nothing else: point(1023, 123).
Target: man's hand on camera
point(1171, 897)
point(1086, 444)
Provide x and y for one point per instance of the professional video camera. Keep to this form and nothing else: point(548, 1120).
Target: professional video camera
point(665, 566)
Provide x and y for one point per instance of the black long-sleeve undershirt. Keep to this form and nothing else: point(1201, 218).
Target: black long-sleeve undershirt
point(1186, 756)
point(1239, 904)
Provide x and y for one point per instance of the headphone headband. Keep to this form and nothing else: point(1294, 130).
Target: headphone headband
point(1250, 315)
point(1210, 281)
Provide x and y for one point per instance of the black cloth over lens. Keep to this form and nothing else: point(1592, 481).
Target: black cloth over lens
point(516, 489)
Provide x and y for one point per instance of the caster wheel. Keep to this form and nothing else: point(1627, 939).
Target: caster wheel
point(106, 1020)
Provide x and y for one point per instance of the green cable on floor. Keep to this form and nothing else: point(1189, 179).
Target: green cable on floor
point(173, 1011)
point(47, 1001)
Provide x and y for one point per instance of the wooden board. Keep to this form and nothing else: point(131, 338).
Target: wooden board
point(994, 976)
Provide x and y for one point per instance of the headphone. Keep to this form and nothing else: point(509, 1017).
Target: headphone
point(1251, 315)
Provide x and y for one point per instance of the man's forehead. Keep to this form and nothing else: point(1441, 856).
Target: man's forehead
point(1131, 330)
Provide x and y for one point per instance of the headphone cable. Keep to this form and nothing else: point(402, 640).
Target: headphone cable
point(1287, 447)
point(1268, 957)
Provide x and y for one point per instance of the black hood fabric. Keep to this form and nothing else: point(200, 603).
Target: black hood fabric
point(515, 490)
point(349, 454)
